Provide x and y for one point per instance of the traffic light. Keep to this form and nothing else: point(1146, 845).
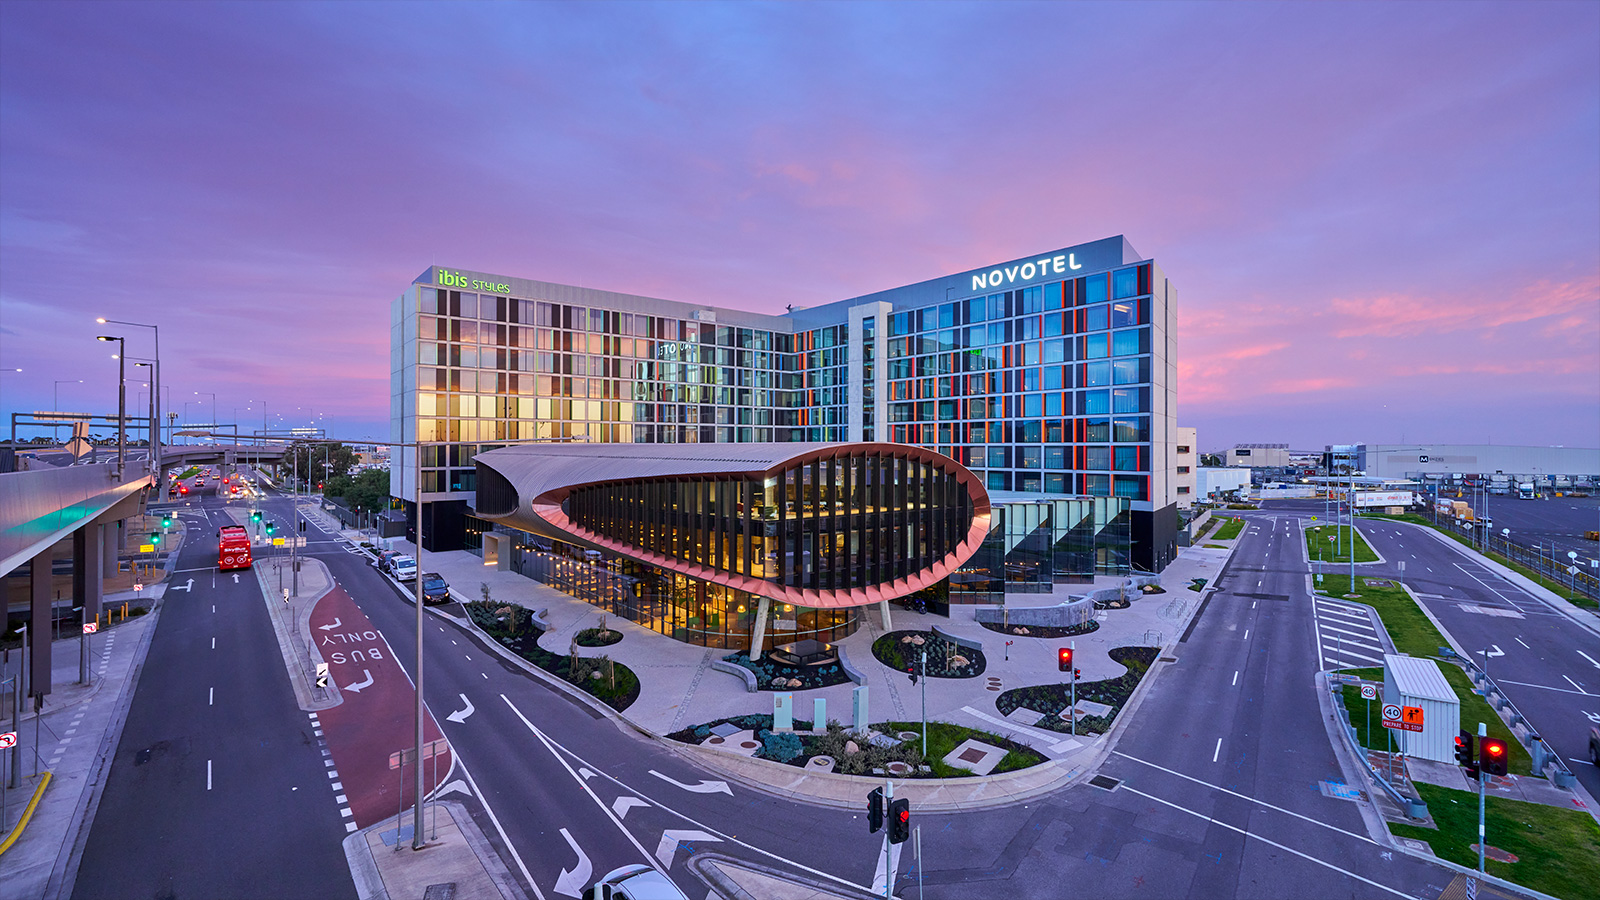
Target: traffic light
point(271, 527)
point(255, 515)
point(1076, 674)
point(1064, 658)
point(899, 821)
point(875, 810)
point(912, 671)
point(155, 537)
point(1492, 756)
point(166, 521)
point(1466, 755)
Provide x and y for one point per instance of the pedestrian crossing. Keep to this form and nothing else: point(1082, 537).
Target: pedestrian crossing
point(1347, 637)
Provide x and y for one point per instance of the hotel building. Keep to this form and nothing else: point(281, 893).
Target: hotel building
point(1049, 377)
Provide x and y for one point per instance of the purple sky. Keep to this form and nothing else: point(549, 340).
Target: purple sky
point(1383, 221)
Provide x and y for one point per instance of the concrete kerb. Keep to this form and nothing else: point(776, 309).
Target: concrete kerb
point(494, 879)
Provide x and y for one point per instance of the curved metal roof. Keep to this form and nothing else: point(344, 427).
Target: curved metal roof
point(542, 475)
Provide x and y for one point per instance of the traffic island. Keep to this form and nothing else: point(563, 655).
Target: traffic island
point(902, 651)
point(1050, 701)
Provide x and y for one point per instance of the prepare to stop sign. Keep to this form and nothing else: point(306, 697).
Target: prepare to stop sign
point(1404, 718)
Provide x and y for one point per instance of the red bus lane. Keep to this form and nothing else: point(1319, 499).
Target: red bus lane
point(374, 723)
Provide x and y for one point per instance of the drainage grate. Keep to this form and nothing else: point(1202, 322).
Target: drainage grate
point(1105, 782)
point(1168, 659)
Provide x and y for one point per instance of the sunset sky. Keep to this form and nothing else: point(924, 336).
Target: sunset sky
point(1382, 220)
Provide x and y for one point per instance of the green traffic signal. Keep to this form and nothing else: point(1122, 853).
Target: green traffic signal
point(255, 515)
point(271, 527)
point(166, 521)
point(155, 537)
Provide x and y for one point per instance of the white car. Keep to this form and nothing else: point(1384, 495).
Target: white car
point(404, 568)
point(634, 882)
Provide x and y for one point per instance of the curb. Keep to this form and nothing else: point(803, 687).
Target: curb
point(1581, 617)
point(27, 813)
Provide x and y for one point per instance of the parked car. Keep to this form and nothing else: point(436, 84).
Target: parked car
point(404, 568)
point(384, 558)
point(635, 882)
point(435, 590)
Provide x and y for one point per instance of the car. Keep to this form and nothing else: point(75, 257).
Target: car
point(435, 590)
point(383, 559)
point(183, 489)
point(635, 882)
point(403, 568)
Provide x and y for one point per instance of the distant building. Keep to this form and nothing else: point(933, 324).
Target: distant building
point(1185, 465)
point(1420, 460)
point(1258, 456)
point(1214, 483)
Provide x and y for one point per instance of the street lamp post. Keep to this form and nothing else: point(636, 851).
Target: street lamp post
point(151, 437)
point(122, 402)
point(157, 469)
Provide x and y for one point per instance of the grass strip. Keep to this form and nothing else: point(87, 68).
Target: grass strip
point(1558, 850)
point(1229, 530)
point(1319, 547)
point(1414, 635)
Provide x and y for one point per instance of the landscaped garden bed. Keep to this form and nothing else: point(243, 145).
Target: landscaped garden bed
point(902, 650)
point(1041, 631)
point(613, 683)
point(855, 755)
point(1050, 699)
point(772, 675)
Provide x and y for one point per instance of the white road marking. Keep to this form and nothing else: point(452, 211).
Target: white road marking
point(211, 696)
point(213, 643)
point(1217, 752)
point(1584, 655)
point(1576, 685)
point(1247, 634)
point(1345, 651)
point(1525, 646)
point(1273, 843)
point(1235, 677)
point(208, 774)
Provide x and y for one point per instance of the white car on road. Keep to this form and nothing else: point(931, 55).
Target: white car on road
point(404, 568)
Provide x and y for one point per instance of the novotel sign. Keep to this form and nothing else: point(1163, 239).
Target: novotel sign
point(456, 279)
point(1038, 268)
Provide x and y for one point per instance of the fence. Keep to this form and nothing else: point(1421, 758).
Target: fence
point(1540, 560)
point(1541, 751)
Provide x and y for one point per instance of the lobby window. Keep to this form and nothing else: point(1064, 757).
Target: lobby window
point(1124, 283)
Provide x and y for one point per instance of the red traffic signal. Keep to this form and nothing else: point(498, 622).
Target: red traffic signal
point(1492, 756)
point(1064, 658)
point(899, 821)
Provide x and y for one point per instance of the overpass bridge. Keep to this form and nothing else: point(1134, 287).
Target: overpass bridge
point(43, 507)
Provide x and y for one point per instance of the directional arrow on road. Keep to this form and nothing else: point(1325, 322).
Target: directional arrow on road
point(623, 804)
point(188, 586)
point(236, 578)
point(572, 882)
point(455, 787)
point(1495, 652)
point(671, 839)
point(331, 626)
point(704, 787)
point(460, 715)
point(359, 686)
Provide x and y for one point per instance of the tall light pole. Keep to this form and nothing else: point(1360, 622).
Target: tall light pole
point(122, 403)
point(151, 441)
point(157, 468)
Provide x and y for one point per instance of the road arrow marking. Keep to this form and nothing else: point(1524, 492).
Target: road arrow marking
point(331, 627)
point(1589, 658)
point(572, 882)
point(671, 839)
point(455, 787)
point(236, 578)
point(623, 804)
point(704, 787)
point(585, 773)
point(460, 715)
point(1496, 652)
point(361, 685)
point(189, 586)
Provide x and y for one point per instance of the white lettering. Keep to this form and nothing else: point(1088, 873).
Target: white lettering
point(1027, 271)
point(338, 658)
point(352, 638)
point(1011, 274)
point(1073, 261)
point(979, 282)
point(326, 640)
point(1044, 265)
point(369, 635)
point(995, 278)
point(1060, 264)
point(373, 651)
point(357, 656)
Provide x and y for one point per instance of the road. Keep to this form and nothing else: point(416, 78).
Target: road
point(217, 788)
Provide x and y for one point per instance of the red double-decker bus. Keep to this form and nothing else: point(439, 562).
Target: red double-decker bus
point(233, 548)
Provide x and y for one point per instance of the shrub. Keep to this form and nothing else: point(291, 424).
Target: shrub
point(781, 747)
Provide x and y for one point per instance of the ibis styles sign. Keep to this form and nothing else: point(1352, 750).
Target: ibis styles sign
point(448, 278)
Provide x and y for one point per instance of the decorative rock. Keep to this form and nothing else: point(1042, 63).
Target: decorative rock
point(917, 639)
point(851, 748)
point(958, 661)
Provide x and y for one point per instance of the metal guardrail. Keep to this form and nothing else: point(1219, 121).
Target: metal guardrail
point(1413, 806)
point(1544, 756)
point(1584, 582)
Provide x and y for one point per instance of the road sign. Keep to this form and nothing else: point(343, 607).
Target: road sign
point(277, 542)
point(138, 586)
point(147, 548)
point(1411, 718)
point(1391, 715)
point(322, 674)
point(8, 740)
point(91, 627)
point(1369, 692)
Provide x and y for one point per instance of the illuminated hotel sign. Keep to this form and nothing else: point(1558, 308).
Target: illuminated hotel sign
point(456, 279)
point(1044, 265)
